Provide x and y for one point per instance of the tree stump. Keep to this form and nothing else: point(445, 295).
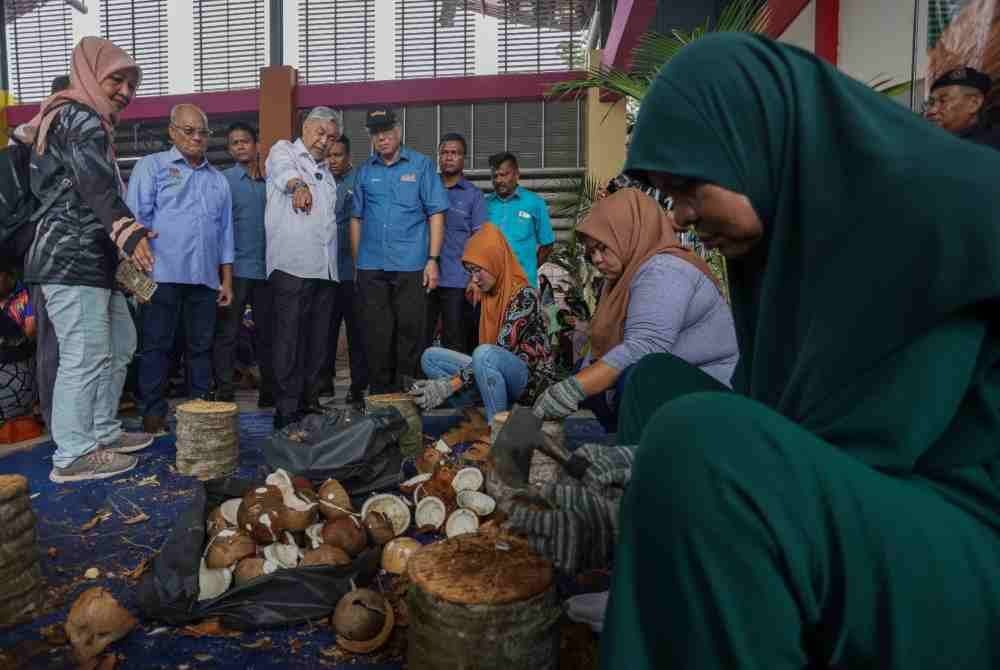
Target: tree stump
point(484, 602)
point(20, 572)
point(411, 442)
point(208, 439)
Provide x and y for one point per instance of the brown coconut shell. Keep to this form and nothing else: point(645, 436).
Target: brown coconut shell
point(226, 550)
point(360, 615)
point(379, 527)
point(294, 519)
point(334, 502)
point(346, 533)
point(215, 523)
point(397, 553)
point(258, 503)
point(368, 646)
point(248, 569)
point(12, 486)
point(428, 459)
point(325, 554)
point(96, 620)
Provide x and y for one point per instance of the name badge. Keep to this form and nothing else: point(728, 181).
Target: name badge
point(409, 176)
point(524, 215)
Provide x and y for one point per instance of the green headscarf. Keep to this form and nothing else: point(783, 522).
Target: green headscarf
point(866, 313)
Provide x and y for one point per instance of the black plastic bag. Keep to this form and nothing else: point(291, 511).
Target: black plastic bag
point(359, 450)
point(168, 592)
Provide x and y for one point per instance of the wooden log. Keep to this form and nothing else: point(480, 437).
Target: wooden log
point(411, 442)
point(483, 598)
point(207, 439)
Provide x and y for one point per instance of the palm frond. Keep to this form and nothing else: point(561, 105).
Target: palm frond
point(604, 78)
point(886, 85)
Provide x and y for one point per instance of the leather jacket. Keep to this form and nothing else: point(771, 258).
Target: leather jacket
point(73, 243)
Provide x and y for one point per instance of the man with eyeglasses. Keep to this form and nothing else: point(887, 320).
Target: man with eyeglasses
point(301, 225)
point(397, 228)
point(186, 201)
point(957, 104)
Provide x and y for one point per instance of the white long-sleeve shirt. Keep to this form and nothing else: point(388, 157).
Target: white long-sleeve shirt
point(300, 244)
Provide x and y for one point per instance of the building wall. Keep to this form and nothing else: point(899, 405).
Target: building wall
point(802, 31)
point(876, 39)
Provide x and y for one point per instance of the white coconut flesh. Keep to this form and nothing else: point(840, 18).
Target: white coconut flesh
point(467, 479)
point(462, 521)
point(226, 532)
point(413, 482)
point(480, 503)
point(393, 507)
point(315, 534)
point(213, 583)
point(230, 509)
point(430, 512)
point(289, 496)
point(282, 555)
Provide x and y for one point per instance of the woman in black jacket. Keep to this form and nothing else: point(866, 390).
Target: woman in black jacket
point(75, 254)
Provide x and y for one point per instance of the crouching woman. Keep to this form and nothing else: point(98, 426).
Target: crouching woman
point(513, 361)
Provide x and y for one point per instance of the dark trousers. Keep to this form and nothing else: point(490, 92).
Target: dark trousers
point(394, 311)
point(46, 353)
point(456, 316)
point(301, 317)
point(257, 294)
point(604, 411)
point(345, 309)
point(173, 304)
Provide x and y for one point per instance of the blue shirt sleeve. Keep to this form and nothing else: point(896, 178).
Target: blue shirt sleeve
point(227, 245)
point(358, 205)
point(543, 227)
point(479, 215)
point(432, 191)
point(141, 195)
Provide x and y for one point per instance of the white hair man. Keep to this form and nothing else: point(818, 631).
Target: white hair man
point(301, 225)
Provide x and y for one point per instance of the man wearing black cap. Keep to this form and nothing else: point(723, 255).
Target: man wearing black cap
point(957, 103)
point(397, 229)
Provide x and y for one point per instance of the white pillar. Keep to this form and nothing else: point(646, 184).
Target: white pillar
point(180, 46)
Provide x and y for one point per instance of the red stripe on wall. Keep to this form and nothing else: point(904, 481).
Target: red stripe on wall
point(828, 30)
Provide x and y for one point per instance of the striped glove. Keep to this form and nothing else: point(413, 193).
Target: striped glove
point(429, 393)
point(559, 400)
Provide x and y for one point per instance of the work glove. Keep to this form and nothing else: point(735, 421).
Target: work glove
point(559, 400)
point(429, 393)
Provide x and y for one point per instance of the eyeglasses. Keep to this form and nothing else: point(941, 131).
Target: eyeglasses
point(191, 132)
point(942, 101)
point(473, 269)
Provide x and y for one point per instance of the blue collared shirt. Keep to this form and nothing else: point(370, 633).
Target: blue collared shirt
point(345, 203)
point(465, 216)
point(191, 211)
point(394, 203)
point(524, 220)
point(249, 198)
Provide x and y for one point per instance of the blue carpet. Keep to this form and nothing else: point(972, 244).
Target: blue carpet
point(113, 547)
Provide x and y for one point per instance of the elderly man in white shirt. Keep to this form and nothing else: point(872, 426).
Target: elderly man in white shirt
point(301, 225)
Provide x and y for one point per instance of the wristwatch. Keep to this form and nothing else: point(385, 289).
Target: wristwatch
point(299, 184)
point(436, 259)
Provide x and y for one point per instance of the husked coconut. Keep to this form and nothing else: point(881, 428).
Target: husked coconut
point(251, 568)
point(259, 514)
point(346, 533)
point(334, 502)
point(96, 620)
point(397, 554)
point(227, 548)
point(368, 646)
point(230, 510)
point(394, 507)
point(325, 554)
point(360, 615)
point(300, 510)
point(428, 460)
point(212, 583)
point(431, 513)
point(379, 527)
point(462, 521)
point(216, 522)
point(314, 534)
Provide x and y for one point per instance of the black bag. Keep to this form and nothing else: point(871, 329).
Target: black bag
point(359, 450)
point(168, 592)
point(20, 210)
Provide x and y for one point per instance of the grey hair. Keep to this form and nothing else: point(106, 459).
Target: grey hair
point(325, 114)
point(177, 108)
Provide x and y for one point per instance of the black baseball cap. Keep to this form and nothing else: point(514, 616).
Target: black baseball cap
point(380, 118)
point(964, 76)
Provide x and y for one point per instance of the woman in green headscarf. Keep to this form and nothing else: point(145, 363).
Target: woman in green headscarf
point(842, 508)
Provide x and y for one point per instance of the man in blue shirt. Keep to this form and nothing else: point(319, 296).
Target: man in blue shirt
point(345, 307)
point(187, 204)
point(397, 228)
point(249, 194)
point(465, 216)
point(522, 215)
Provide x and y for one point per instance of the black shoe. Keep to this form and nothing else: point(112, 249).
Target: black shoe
point(313, 408)
point(265, 400)
point(355, 398)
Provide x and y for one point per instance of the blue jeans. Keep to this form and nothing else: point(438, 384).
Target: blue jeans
point(96, 339)
point(501, 377)
point(194, 306)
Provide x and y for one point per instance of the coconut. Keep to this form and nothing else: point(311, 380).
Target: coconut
point(216, 522)
point(428, 460)
point(314, 534)
point(325, 554)
point(360, 615)
point(411, 484)
point(368, 646)
point(212, 583)
point(333, 500)
point(397, 554)
point(251, 568)
point(431, 513)
point(227, 548)
point(467, 479)
point(394, 507)
point(96, 620)
point(346, 533)
point(300, 510)
point(444, 474)
point(480, 503)
point(462, 521)
point(283, 554)
point(259, 514)
point(379, 527)
point(230, 510)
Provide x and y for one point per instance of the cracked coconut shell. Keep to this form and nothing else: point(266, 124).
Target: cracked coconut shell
point(259, 514)
point(334, 502)
point(95, 621)
point(325, 554)
point(360, 615)
point(227, 548)
point(346, 533)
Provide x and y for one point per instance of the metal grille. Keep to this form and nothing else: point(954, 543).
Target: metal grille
point(435, 38)
point(39, 45)
point(539, 36)
point(229, 44)
point(336, 40)
point(140, 27)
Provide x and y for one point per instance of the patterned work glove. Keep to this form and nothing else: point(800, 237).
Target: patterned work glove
point(429, 393)
point(559, 400)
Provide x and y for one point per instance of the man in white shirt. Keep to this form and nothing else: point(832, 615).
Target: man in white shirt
point(301, 225)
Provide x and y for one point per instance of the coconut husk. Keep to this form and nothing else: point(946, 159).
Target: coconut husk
point(475, 570)
point(11, 509)
point(95, 621)
point(12, 486)
point(207, 439)
point(368, 646)
point(14, 550)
